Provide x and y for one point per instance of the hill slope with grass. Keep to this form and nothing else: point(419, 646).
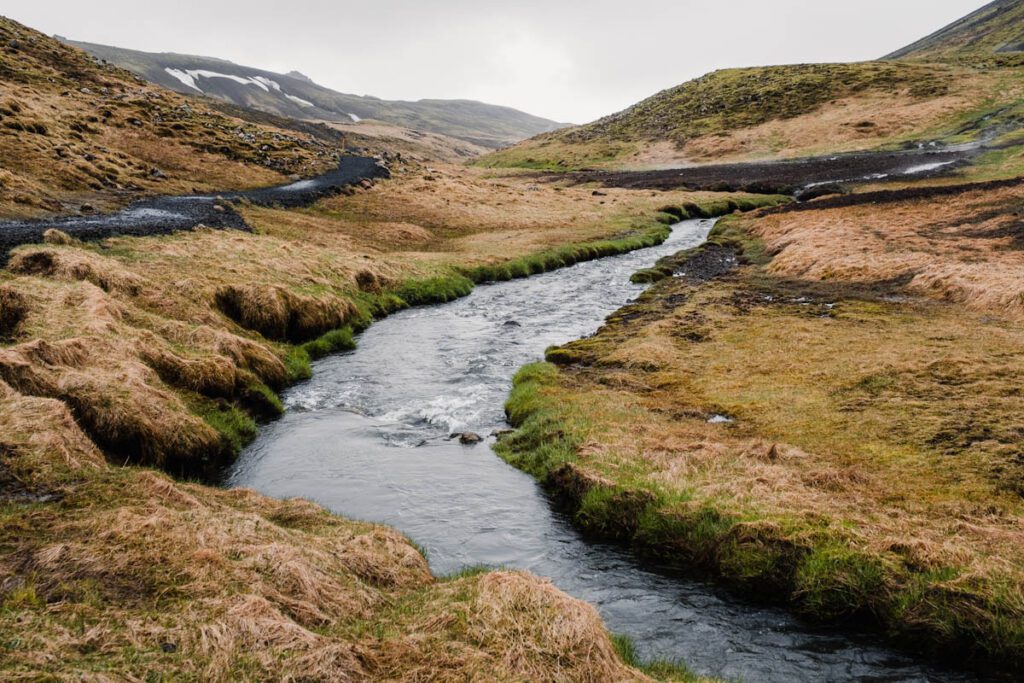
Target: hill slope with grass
point(296, 96)
point(79, 135)
point(798, 110)
point(996, 28)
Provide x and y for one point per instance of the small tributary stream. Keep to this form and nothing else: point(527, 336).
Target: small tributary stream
point(367, 438)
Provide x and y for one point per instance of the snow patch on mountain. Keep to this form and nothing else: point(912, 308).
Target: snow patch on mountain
point(267, 82)
point(203, 73)
point(299, 100)
point(183, 77)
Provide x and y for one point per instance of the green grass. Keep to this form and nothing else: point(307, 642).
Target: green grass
point(236, 427)
point(659, 670)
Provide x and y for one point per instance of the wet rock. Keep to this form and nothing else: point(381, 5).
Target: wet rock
point(511, 323)
point(467, 438)
point(808, 193)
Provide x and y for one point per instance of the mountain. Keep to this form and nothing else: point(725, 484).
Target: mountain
point(996, 28)
point(295, 95)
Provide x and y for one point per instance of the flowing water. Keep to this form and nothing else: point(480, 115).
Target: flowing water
point(367, 437)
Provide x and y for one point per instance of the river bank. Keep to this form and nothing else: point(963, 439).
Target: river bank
point(163, 352)
point(819, 408)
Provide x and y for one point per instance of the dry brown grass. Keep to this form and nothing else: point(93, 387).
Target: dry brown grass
point(165, 330)
point(144, 350)
point(121, 574)
point(416, 145)
point(967, 249)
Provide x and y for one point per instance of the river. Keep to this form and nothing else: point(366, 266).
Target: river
point(367, 437)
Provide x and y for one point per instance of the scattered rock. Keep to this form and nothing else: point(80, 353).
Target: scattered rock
point(55, 236)
point(157, 173)
point(502, 433)
point(598, 193)
point(14, 45)
point(218, 208)
point(169, 648)
point(294, 177)
point(467, 438)
point(86, 208)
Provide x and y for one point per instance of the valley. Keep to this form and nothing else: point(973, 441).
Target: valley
point(299, 385)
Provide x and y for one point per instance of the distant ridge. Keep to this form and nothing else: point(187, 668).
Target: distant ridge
point(295, 95)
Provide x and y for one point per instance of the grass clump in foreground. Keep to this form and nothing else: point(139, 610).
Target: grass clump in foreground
point(125, 573)
point(870, 471)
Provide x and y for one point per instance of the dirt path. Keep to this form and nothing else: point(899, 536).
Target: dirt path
point(163, 215)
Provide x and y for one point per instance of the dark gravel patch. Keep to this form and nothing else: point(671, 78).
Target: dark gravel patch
point(164, 215)
point(782, 177)
point(900, 195)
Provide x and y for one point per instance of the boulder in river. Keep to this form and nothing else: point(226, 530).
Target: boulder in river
point(467, 438)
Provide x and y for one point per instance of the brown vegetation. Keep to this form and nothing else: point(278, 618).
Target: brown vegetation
point(122, 573)
point(161, 351)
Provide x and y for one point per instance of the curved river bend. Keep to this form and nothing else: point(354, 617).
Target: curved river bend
point(367, 438)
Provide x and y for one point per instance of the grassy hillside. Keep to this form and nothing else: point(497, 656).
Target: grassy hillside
point(783, 111)
point(78, 135)
point(995, 29)
point(974, 91)
point(295, 95)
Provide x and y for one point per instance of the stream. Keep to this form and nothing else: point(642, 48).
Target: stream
point(367, 437)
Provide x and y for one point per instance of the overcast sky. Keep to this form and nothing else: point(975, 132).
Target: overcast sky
point(569, 60)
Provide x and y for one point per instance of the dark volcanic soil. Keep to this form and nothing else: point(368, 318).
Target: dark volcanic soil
point(797, 176)
point(163, 215)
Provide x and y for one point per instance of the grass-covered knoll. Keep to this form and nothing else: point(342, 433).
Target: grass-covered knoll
point(871, 467)
point(993, 30)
